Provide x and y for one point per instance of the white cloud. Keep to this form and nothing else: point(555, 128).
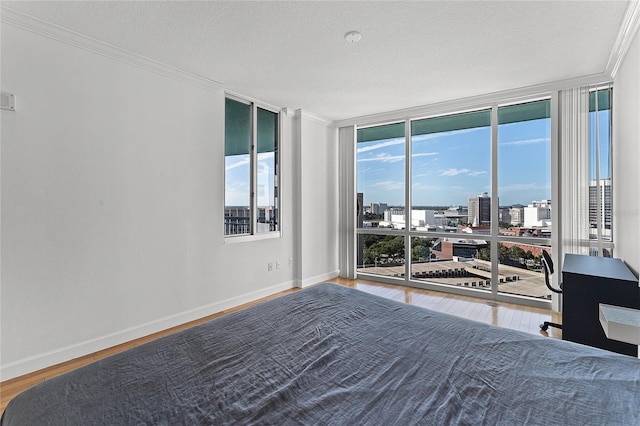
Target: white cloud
point(389, 185)
point(519, 187)
point(429, 136)
point(423, 187)
point(384, 157)
point(380, 145)
point(527, 141)
point(456, 172)
point(424, 154)
point(242, 162)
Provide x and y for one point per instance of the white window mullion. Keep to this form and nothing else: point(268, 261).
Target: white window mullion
point(495, 203)
point(253, 170)
point(556, 196)
point(348, 207)
point(407, 202)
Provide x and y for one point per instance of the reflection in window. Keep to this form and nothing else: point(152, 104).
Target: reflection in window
point(266, 175)
point(237, 161)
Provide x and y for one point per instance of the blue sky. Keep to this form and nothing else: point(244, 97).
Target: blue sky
point(450, 167)
point(237, 179)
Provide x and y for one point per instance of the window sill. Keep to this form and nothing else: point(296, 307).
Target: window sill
point(232, 239)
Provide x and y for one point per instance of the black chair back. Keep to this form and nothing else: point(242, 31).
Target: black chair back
point(547, 260)
point(548, 270)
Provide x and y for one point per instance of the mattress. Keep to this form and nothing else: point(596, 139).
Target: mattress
point(330, 355)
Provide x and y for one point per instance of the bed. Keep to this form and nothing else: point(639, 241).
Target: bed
point(330, 354)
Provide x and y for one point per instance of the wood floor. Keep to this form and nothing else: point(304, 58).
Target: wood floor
point(501, 314)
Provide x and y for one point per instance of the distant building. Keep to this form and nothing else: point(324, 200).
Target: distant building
point(395, 217)
point(360, 208)
point(392, 213)
point(422, 218)
point(237, 220)
point(517, 215)
point(504, 215)
point(534, 249)
point(605, 213)
point(513, 215)
point(479, 212)
point(454, 216)
point(378, 208)
point(538, 214)
point(447, 248)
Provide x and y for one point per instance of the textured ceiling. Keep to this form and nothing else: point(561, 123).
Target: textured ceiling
point(293, 54)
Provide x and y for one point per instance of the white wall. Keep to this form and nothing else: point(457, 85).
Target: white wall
point(626, 158)
point(112, 204)
point(318, 193)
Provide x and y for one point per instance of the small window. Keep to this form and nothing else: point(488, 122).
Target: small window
point(251, 169)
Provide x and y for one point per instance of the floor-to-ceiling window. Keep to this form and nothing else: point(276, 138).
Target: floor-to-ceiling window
point(451, 198)
point(437, 193)
point(465, 200)
point(380, 157)
point(524, 192)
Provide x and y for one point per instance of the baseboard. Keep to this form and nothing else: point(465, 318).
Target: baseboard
point(305, 282)
point(57, 356)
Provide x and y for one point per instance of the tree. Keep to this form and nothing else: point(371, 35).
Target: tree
point(379, 246)
point(421, 248)
point(484, 254)
point(516, 252)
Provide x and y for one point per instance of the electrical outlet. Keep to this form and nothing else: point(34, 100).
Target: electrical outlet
point(291, 262)
point(277, 264)
point(270, 266)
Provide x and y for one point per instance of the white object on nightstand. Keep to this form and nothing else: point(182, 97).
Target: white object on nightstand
point(620, 323)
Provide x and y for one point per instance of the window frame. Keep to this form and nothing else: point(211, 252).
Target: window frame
point(253, 235)
point(493, 238)
point(555, 90)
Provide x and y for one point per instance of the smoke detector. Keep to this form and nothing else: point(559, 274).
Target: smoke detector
point(353, 36)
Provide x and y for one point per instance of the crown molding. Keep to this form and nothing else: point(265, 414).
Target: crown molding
point(27, 22)
point(316, 118)
point(628, 29)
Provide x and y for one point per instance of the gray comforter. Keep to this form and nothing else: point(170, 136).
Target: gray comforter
point(334, 355)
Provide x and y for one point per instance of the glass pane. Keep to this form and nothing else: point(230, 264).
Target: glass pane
point(237, 210)
point(381, 255)
point(521, 271)
point(266, 173)
point(451, 173)
point(450, 261)
point(600, 188)
point(380, 176)
point(524, 169)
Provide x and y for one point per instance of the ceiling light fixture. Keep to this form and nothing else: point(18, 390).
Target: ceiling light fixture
point(353, 36)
